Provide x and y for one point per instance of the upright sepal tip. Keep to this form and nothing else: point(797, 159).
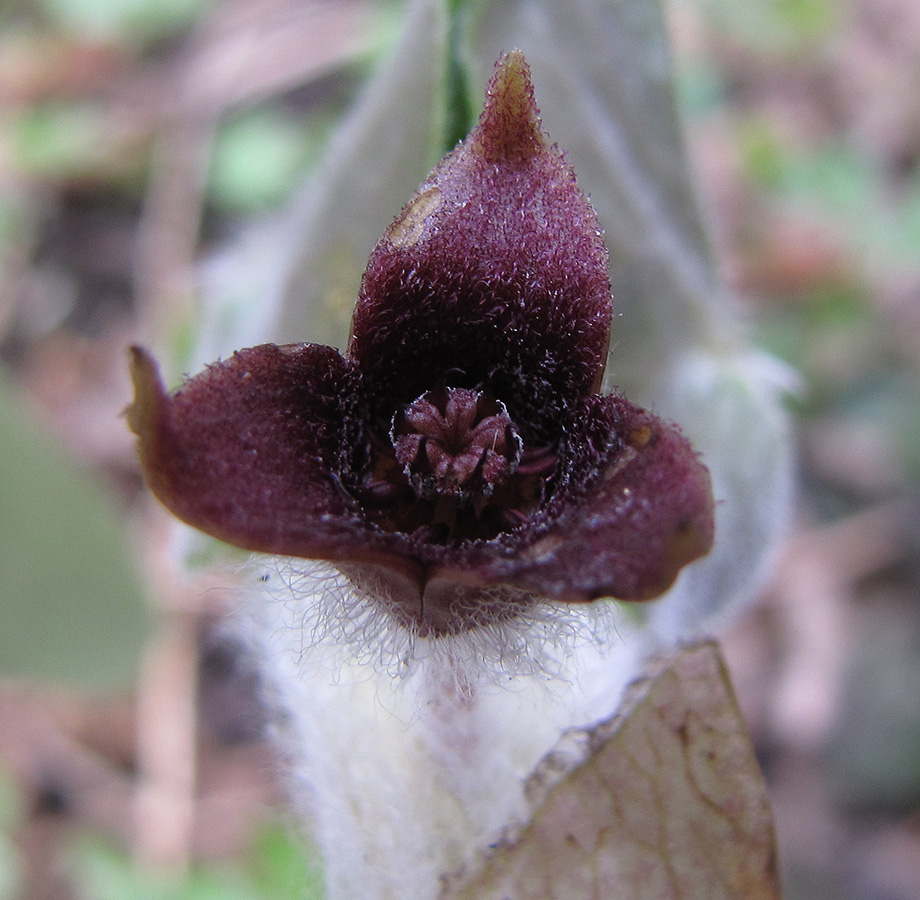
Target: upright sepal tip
point(509, 128)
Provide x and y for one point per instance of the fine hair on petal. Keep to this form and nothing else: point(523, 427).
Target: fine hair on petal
point(328, 613)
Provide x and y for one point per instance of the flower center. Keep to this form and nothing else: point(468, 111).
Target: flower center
point(453, 468)
point(456, 443)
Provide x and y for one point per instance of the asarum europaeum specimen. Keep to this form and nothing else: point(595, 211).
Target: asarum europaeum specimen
point(458, 462)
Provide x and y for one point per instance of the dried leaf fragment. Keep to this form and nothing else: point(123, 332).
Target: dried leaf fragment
point(663, 801)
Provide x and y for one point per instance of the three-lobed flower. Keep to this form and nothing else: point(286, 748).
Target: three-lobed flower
point(458, 462)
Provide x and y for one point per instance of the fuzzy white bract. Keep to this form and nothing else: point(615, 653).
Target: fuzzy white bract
point(406, 755)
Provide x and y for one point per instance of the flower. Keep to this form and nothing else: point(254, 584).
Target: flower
point(458, 462)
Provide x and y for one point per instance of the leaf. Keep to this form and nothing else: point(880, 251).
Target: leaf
point(375, 163)
point(114, 19)
point(663, 801)
point(297, 279)
point(728, 407)
point(12, 808)
point(282, 866)
point(71, 603)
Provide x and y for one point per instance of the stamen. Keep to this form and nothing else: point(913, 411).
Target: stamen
point(456, 443)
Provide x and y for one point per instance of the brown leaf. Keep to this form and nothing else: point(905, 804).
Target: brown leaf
point(665, 800)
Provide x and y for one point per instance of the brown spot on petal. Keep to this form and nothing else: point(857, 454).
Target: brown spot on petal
point(639, 437)
point(410, 226)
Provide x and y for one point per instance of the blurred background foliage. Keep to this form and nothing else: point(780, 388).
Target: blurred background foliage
point(138, 136)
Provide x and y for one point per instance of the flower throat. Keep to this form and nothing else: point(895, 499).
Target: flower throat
point(455, 468)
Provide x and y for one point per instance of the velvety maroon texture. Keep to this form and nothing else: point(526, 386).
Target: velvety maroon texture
point(633, 507)
point(457, 462)
point(496, 270)
point(246, 451)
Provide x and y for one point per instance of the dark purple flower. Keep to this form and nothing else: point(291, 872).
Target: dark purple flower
point(460, 449)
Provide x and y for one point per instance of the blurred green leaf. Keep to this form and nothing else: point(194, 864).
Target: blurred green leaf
point(276, 869)
point(905, 421)
point(257, 160)
point(832, 336)
point(891, 402)
point(60, 140)
point(878, 219)
point(67, 141)
point(139, 19)
point(107, 874)
point(873, 761)
point(460, 107)
point(11, 805)
point(15, 220)
point(763, 153)
point(778, 28)
point(700, 87)
point(10, 878)
point(297, 278)
point(18, 220)
point(71, 603)
point(283, 866)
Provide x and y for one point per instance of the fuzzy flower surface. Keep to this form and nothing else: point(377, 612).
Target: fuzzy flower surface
point(459, 462)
